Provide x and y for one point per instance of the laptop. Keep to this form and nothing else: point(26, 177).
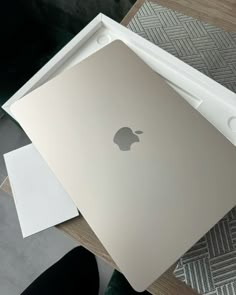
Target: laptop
point(149, 174)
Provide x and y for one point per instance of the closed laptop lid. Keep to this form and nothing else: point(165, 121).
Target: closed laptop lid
point(148, 172)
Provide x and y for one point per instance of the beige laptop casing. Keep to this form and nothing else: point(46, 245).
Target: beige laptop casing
point(147, 205)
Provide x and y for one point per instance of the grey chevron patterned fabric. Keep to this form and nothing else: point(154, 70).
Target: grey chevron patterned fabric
point(209, 266)
point(205, 47)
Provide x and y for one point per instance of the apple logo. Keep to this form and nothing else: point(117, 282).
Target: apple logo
point(125, 137)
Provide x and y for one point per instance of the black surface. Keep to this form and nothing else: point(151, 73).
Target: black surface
point(75, 274)
point(26, 45)
point(74, 15)
point(118, 285)
point(33, 31)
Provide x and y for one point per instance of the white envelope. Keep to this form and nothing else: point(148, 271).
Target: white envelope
point(41, 201)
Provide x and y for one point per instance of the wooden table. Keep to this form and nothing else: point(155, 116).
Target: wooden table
point(221, 13)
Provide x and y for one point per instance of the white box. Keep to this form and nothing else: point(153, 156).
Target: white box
point(216, 103)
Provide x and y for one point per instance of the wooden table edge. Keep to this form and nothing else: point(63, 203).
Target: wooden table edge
point(204, 11)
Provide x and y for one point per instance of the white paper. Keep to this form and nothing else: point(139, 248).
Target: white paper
point(41, 201)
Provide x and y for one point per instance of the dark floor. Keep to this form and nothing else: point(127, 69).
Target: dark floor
point(23, 260)
point(11, 137)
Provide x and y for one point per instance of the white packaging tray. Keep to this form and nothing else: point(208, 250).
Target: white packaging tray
point(216, 103)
